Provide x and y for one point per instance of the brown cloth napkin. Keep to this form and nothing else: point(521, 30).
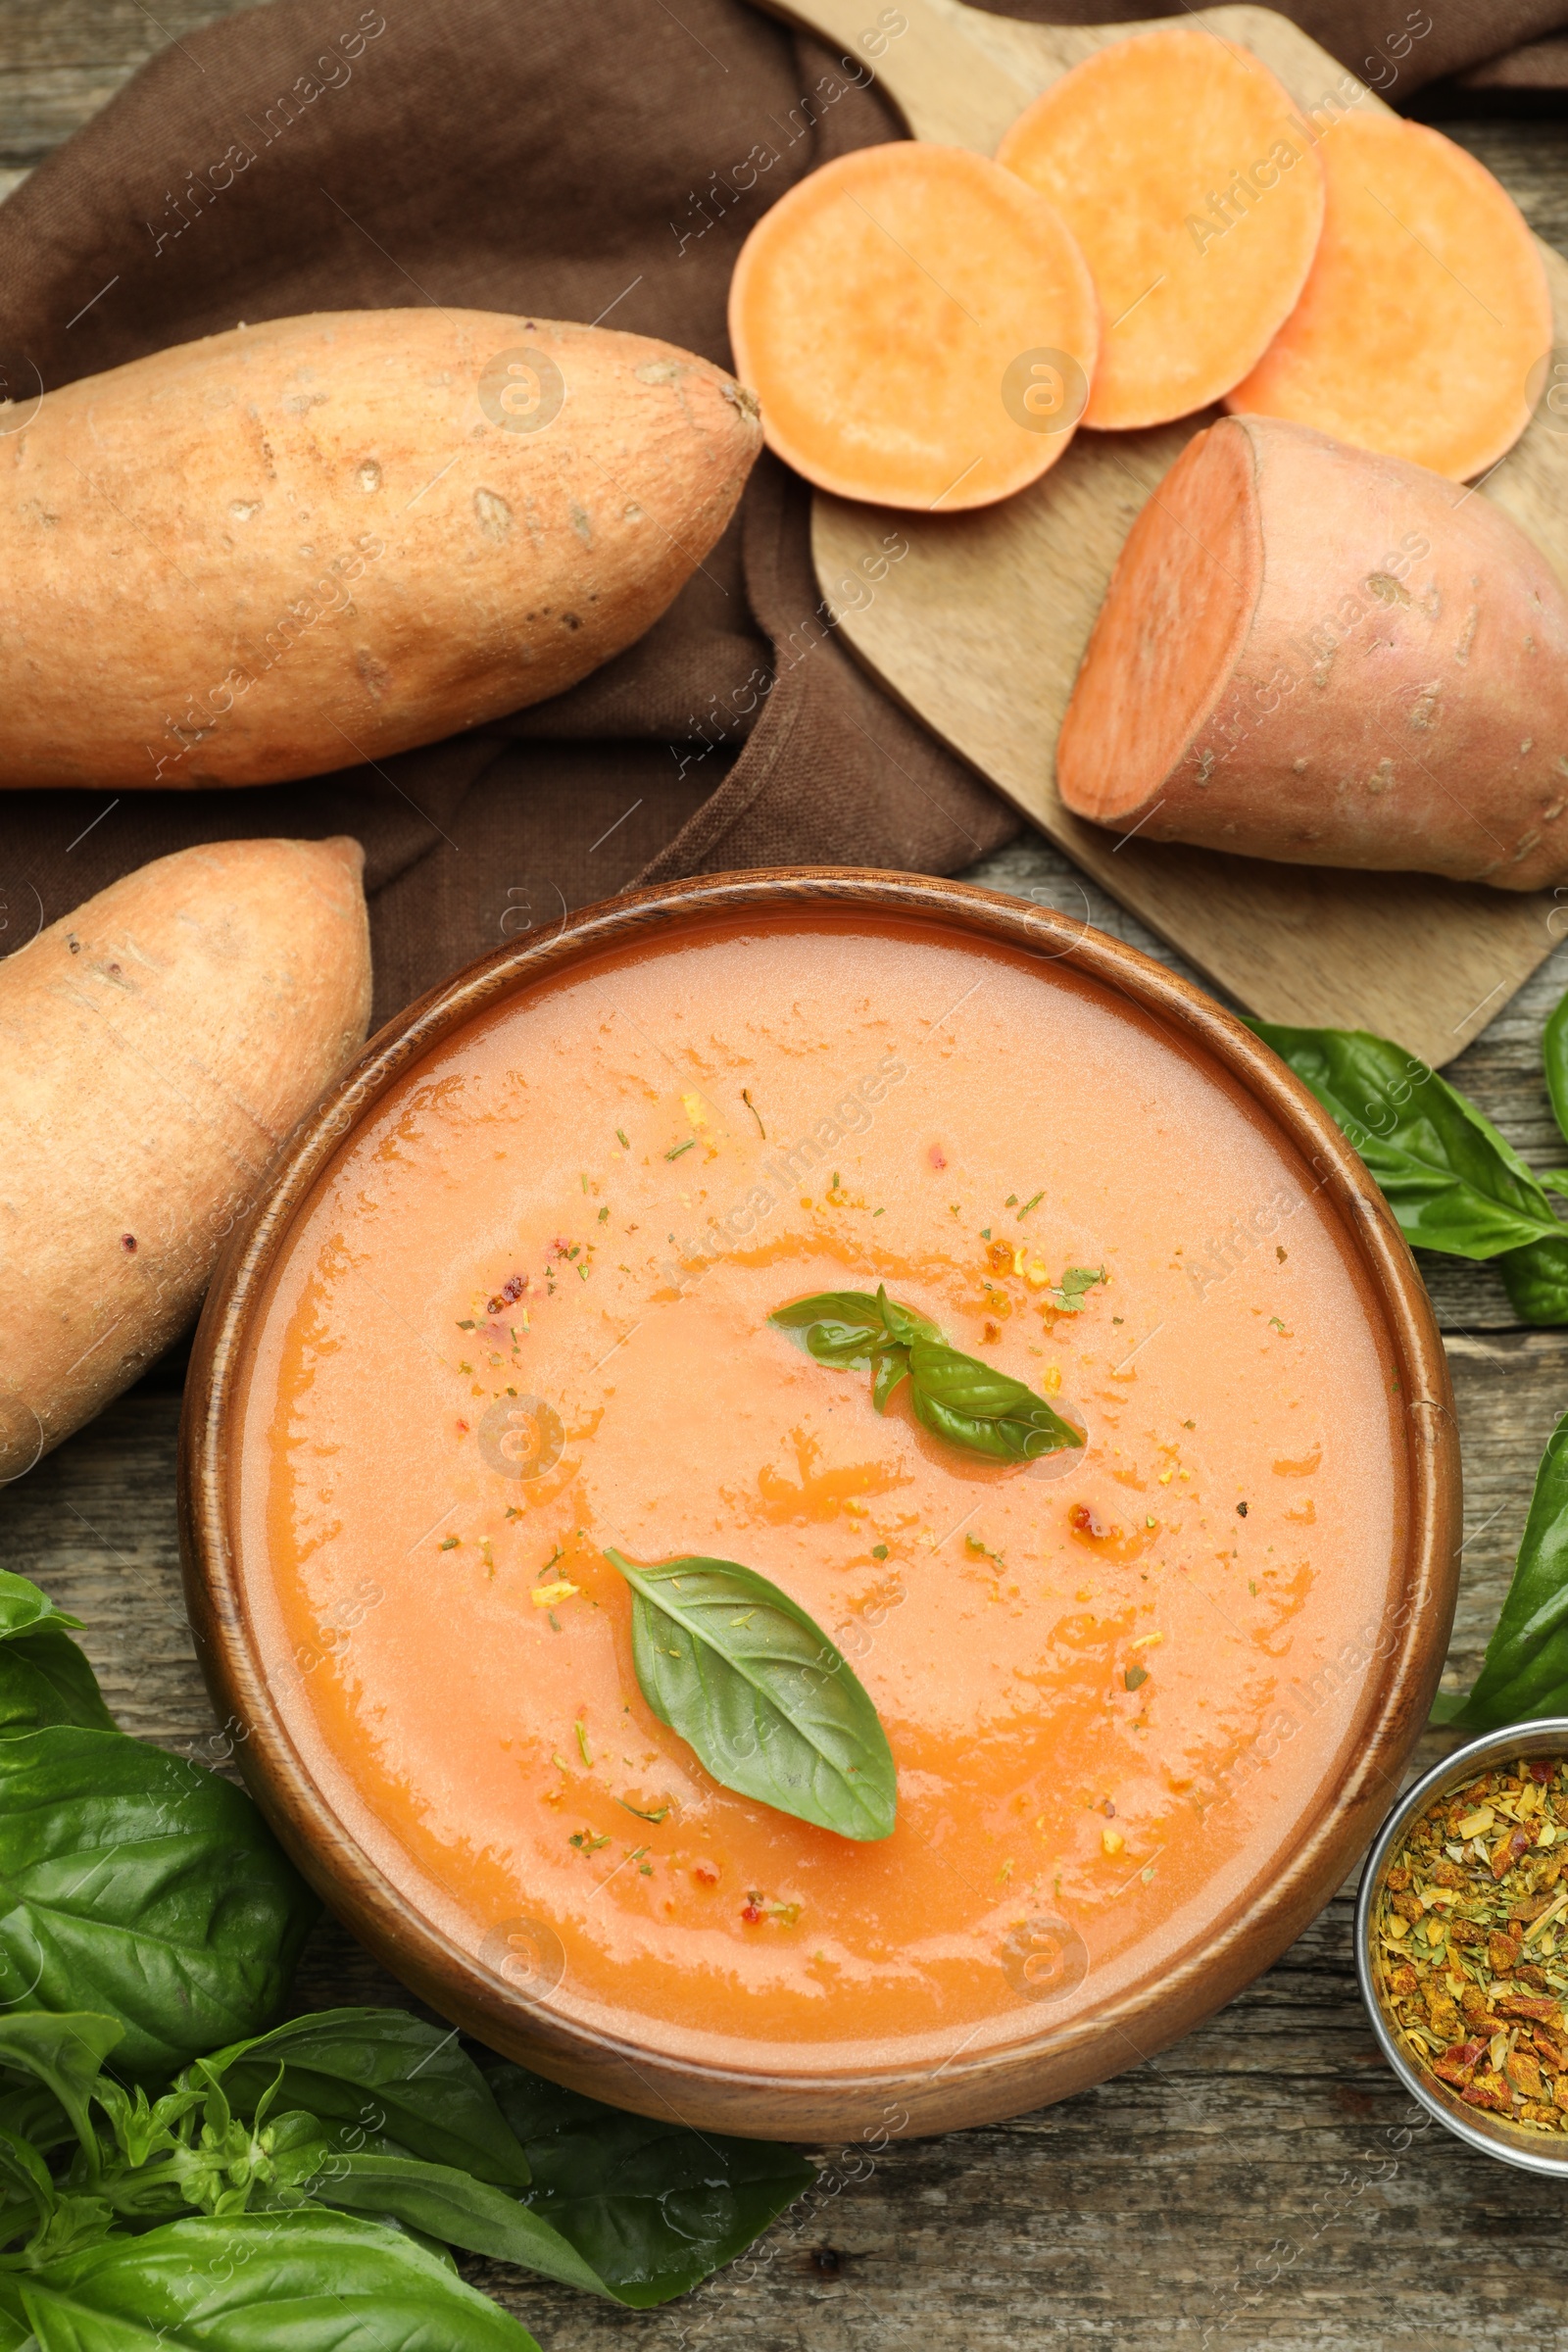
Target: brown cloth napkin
point(577, 161)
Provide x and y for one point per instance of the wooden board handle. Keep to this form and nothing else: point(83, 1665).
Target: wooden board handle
point(944, 88)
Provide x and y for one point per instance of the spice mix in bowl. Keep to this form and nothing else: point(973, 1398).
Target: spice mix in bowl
point(1463, 1944)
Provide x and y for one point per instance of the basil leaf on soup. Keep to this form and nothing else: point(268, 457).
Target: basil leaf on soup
point(1524, 1671)
point(974, 1405)
point(954, 1396)
point(145, 1888)
point(653, 2206)
point(44, 1677)
point(389, 2079)
point(302, 2281)
point(772, 1710)
point(441, 2201)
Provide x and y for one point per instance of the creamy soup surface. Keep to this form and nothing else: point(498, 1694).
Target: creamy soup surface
point(524, 1318)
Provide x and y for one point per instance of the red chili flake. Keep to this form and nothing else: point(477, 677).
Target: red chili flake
point(464, 1427)
point(561, 1248)
point(937, 1157)
point(752, 1913)
point(1490, 2090)
point(510, 1293)
point(706, 1873)
point(127, 1243)
point(1542, 1772)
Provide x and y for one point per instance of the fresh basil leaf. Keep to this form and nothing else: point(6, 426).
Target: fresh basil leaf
point(974, 1405)
point(1555, 1067)
point(1452, 1181)
point(845, 1346)
point(76, 2222)
point(892, 1371)
point(63, 2052)
point(1524, 1671)
point(25, 2181)
point(954, 1396)
point(854, 1310)
point(1537, 1281)
point(903, 1323)
point(25, 1608)
point(31, 2110)
point(306, 2281)
point(44, 1677)
point(773, 1711)
point(385, 2079)
point(143, 1888)
point(653, 2207)
point(442, 2202)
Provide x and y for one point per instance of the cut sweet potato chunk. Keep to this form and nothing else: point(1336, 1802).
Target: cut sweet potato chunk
point(1182, 169)
point(1426, 310)
point(919, 327)
point(1315, 654)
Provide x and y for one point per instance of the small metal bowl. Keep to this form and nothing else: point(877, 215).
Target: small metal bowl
point(1531, 2151)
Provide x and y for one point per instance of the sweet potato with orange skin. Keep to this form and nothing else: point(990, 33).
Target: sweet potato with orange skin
point(155, 1047)
point(301, 544)
point(1312, 654)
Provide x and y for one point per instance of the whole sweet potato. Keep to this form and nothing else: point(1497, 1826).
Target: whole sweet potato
point(1314, 654)
point(155, 1047)
point(322, 540)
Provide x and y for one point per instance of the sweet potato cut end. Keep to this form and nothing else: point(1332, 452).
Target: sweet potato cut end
point(919, 327)
point(1199, 244)
point(1425, 312)
point(1174, 620)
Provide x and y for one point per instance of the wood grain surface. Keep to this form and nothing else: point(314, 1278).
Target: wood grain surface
point(1263, 2184)
point(980, 627)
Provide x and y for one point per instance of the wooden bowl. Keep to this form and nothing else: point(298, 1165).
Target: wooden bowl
point(504, 1999)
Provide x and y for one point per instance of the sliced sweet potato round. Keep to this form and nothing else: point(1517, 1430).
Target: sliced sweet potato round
point(919, 327)
point(1185, 172)
point(1425, 312)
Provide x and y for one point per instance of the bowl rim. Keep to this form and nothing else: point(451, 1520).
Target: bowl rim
point(1545, 1734)
point(1052, 2060)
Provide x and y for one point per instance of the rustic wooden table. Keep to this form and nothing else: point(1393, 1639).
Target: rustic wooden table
point(1264, 2183)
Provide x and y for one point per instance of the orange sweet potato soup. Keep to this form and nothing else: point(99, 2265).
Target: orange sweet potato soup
point(524, 1320)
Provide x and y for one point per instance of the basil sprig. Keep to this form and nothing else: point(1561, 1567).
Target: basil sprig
point(1524, 1671)
point(955, 1397)
point(1455, 1184)
point(756, 1687)
point(298, 2186)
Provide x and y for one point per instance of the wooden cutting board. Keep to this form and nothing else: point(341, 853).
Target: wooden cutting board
point(979, 629)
